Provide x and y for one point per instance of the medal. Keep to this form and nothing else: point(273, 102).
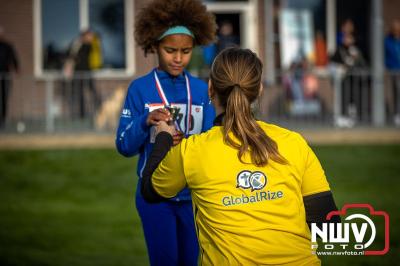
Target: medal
point(174, 111)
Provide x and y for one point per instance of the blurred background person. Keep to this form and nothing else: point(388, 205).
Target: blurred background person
point(392, 62)
point(209, 53)
point(348, 54)
point(302, 88)
point(346, 29)
point(84, 56)
point(350, 59)
point(8, 63)
point(226, 36)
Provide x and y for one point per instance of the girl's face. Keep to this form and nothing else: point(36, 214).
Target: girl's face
point(174, 53)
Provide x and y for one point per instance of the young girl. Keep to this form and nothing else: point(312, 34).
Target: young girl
point(171, 29)
point(254, 185)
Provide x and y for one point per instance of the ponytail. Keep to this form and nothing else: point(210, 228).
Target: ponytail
point(240, 121)
point(236, 78)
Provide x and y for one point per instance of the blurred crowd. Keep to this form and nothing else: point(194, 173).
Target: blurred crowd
point(300, 82)
point(350, 65)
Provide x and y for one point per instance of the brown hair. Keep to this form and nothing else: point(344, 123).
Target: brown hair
point(160, 15)
point(236, 79)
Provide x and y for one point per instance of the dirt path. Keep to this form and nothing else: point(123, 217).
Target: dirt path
point(93, 140)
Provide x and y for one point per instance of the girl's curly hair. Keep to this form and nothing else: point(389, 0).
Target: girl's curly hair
point(160, 15)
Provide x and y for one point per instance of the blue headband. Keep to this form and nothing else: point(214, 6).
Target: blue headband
point(176, 30)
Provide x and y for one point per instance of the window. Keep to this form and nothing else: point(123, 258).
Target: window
point(106, 18)
point(316, 8)
point(302, 23)
point(59, 23)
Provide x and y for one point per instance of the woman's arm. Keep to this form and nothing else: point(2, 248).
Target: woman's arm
point(163, 175)
point(162, 145)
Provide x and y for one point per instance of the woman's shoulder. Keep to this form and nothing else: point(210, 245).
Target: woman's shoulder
point(291, 143)
point(205, 138)
point(277, 133)
point(280, 134)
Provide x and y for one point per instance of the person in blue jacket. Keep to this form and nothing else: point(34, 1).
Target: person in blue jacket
point(392, 62)
point(169, 28)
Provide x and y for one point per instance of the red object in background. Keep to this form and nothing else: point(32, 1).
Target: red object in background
point(321, 54)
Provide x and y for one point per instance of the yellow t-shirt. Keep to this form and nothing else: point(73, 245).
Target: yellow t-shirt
point(244, 214)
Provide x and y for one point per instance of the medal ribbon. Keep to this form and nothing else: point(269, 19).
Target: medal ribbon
point(188, 105)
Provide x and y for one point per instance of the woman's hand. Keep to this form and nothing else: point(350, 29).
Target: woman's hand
point(163, 126)
point(177, 135)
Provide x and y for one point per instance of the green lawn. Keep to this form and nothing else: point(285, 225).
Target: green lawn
point(76, 207)
point(366, 174)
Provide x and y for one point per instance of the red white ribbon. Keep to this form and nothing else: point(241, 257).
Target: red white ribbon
point(189, 101)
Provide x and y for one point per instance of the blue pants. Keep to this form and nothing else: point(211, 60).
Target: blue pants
point(169, 232)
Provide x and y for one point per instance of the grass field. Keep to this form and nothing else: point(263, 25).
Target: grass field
point(76, 207)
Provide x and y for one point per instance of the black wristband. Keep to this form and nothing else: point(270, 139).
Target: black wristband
point(318, 206)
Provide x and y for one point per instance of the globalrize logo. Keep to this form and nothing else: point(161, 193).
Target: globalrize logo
point(355, 235)
point(255, 181)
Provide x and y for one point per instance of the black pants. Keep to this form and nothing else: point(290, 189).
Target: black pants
point(356, 92)
point(79, 105)
point(396, 93)
point(5, 84)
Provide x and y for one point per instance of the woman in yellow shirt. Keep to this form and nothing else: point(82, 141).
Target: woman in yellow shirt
point(254, 185)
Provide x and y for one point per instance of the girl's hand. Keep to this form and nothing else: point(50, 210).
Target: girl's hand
point(158, 115)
